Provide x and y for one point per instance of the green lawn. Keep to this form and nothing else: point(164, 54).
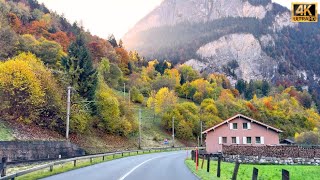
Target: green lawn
point(266, 172)
point(5, 133)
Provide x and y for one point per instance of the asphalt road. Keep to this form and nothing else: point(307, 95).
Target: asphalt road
point(159, 166)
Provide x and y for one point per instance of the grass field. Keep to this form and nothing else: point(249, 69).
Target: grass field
point(266, 172)
point(5, 133)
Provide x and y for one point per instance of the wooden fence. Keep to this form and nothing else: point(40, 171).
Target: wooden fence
point(196, 154)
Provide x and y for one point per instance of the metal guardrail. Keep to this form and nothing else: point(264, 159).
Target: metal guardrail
point(51, 165)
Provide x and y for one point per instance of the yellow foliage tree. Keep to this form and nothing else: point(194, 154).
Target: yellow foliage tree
point(163, 100)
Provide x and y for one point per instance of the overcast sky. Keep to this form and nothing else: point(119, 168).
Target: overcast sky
point(104, 17)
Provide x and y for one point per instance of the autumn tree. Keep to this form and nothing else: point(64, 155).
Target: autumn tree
point(29, 92)
point(163, 100)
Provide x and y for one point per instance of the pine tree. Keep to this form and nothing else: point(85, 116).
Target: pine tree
point(80, 70)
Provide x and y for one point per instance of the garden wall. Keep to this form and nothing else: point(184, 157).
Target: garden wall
point(17, 151)
point(272, 154)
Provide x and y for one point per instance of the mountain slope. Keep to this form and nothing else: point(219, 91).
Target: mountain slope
point(245, 39)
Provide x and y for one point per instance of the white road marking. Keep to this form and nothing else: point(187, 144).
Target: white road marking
point(128, 173)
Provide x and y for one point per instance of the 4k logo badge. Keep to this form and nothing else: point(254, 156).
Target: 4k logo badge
point(304, 12)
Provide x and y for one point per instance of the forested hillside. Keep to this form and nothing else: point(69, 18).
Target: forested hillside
point(42, 54)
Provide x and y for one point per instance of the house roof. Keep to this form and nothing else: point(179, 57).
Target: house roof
point(244, 117)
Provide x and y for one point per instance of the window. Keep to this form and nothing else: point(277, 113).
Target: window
point(258, 140)
point(248, 140)
point(234, 140)
point(235, 126)
point(224, 140)
point(245, 125)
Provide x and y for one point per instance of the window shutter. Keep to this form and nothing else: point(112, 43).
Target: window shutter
point(238, 140)
point(231, 125)
point(249, 125)
point(220, 140)
point(244, 140)
point(262, 140)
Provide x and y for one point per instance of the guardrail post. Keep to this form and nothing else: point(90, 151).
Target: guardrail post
point(102, 158)
point(75, 163)
point(122, 154)
point(137, 152)
point(3, 166)
point(51, 168)
point(255, 174)
point(285, 175)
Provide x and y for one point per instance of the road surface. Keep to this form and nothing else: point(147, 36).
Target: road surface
point(159, 166)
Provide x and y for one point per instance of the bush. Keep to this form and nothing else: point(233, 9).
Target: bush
point(136, 96)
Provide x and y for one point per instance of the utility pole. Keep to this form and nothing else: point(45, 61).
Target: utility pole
point(68, 112)
point(172, 131)
point(129, 97)
point(124, 90)
point(200, 133)
point(139, 128)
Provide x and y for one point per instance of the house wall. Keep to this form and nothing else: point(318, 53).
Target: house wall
point(212, 140)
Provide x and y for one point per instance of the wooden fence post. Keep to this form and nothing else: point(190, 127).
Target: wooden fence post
point(255, 174)
point(91, 160)
point(192, 155)
point(75, 163)
point(102, 158)
point(235, 171)
point(122, 154)
point(51, 168)
point(285, 175)
point(208, 163)
point(219, 167)
point(203, 157)
point(113, 156)
point(3, 166)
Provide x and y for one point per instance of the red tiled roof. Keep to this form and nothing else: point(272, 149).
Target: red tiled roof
point(245, 117)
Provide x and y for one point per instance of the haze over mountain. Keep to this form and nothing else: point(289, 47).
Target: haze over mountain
point(245, 39)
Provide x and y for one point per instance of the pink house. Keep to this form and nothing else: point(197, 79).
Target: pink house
point(241, 130)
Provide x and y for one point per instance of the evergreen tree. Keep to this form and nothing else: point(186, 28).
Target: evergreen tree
point(241, 86)
point(265, 88)
point(112, 40)
point(79, 67)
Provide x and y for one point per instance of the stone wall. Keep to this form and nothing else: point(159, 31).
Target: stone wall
point(271, 160)
point(272, 151)
point(272, 154)
point(17, 151)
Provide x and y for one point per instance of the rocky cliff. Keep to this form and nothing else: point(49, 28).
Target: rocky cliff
point(245, 39)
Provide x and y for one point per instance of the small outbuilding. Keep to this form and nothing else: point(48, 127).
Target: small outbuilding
point(240, 130)
point(287, 141)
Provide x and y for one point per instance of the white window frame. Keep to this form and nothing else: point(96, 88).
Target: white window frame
point(262, 139)
point(220, 140)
